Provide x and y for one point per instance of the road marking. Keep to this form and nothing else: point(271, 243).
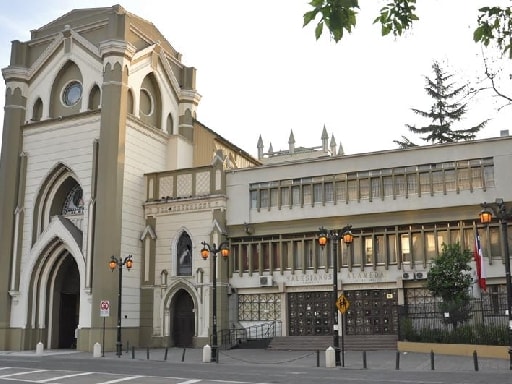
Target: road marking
point(22, 373)
point(121, 379)
point(189, 382)
point(63, 377)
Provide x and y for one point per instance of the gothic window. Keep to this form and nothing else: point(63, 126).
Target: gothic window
point(184, 255)
point(72, 93)
point(74, 204)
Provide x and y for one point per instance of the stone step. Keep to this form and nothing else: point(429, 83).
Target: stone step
point(350, 342)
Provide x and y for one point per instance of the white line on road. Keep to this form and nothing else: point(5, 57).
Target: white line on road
point(121, 379)
point(63, 377)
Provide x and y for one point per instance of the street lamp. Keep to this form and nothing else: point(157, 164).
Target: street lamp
point(486, 215)
point(205, 252)
point(113, 263)
point(323, 238)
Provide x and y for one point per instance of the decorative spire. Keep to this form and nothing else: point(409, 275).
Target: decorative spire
point(340, 150)
point(325, 139)
point(291, 142)
point(260, 148)
point(333, 145)
point(270, 149)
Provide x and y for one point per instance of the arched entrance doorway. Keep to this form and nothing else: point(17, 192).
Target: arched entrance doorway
point(65, 304)
point(183, 320)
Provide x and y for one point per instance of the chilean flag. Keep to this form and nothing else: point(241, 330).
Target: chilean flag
point(480, 264)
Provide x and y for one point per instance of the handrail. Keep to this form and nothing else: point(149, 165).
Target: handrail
point(229, 338)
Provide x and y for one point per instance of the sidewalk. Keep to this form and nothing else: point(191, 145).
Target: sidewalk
point(378, 360)
point(371, 360)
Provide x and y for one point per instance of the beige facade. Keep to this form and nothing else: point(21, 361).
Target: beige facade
point(95, 100)
point(103, 155)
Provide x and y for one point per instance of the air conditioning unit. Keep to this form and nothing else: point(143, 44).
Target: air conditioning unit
point(265, 281)
point(407, 276)
point(420, 275)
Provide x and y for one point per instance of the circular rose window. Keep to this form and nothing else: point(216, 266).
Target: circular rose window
point(72, 93)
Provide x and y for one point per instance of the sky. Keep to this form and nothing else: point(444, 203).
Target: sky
point(260, 72)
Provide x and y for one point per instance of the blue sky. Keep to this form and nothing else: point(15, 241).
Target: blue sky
point(261, 72)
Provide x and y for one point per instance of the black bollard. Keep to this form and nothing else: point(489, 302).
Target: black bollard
point(397, 365)
point(165, 355)
point(432, 360)
point(317, 358)
point(475, 360)
point(133, 352)
point(364, 360)
point(183, 355)
point(147, 353)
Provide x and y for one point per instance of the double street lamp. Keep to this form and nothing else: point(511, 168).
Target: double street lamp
point(486, 214)
point(205, 252)
point(323, 238)
point(119, 263)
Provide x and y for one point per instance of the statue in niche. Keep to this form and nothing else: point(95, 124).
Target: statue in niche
point(184, 254)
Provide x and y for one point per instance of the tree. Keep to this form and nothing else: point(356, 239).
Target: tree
point(397, 16)
point(448, 279)
point(404, 143)
point(445, 111)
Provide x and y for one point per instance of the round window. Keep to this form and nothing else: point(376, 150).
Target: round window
point(72, 93)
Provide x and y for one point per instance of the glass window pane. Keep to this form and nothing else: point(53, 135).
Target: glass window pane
point(317, 193)
point(329, 192)
point(276, 259)
point(341, 191)
point(392, 249)
point(352, 190)
point(405, 248)
point(265, 253)
point(437, 181)
point(364, 188)
point(264, 198)
point(425, 183)
point(494, 237)
point(308, 253)
point(388, 185)
point(417, 247)
point(449, 179)
point(306, 191)
point(273, 197)
point(356, 249)
point(296, 195)
point(285, 196)
point(255, 257)
point(379, 250)
point(254, 199)
point(368, 250)
point(298, 256)
point(375, 186)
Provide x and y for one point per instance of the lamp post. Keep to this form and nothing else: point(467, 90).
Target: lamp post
point(119, 263)
point(323, 238)
point(205, 252)
point(485, 217)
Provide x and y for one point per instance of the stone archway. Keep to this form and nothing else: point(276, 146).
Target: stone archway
point(183, 324)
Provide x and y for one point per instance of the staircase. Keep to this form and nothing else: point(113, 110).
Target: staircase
point(350, 343)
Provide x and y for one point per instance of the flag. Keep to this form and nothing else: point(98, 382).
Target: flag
point(480, 264)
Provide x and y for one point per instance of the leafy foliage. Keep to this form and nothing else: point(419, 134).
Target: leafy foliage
point(448, 280)
point(494, 23)
point(445, 111)
point(404, 143)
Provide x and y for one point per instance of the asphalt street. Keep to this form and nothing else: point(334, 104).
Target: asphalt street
point(251, 366)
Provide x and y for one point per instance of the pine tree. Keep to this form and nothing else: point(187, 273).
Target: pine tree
point(445, 111)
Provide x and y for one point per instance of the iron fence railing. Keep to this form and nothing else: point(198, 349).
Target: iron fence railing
point(486, 325)
point(229, 338)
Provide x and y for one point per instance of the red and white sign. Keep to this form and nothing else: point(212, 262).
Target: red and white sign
point(105, 308)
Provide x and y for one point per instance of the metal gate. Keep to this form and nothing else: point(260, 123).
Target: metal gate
point(372, 312)
point(310, 313)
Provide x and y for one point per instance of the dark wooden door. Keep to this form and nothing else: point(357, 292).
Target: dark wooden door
point(184, 320)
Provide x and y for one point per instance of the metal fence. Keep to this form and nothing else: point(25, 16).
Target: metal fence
point(487, 323)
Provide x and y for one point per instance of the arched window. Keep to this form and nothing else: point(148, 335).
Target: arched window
point(184, 254)
point(74, 204)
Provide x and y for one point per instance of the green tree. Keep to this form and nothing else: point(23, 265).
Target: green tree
point(448, 279)
point(494, 23)
point(445, 110)
point(404, 143)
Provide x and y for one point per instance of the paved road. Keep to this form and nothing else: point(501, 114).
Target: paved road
point(246, 366)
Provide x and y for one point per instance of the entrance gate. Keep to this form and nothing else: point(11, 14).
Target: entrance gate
point(371, 312)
